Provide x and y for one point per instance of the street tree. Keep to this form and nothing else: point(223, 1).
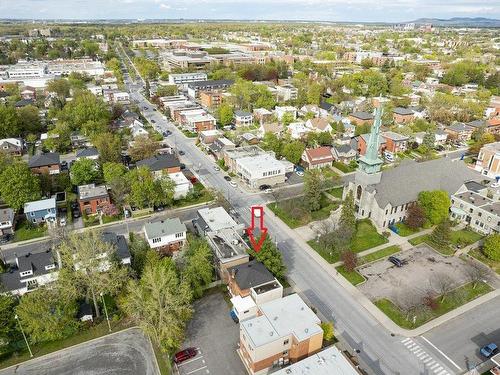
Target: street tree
point(293, 151)
point(271, 257)
point(443, 284)
point(145, 190)
point(8, 326)
point(159, 303)
point(18, 185)
point(85, 171)
point(491, 246)
point(475, 272)
point(408, 302)
point(328, 331)
point(312, 189)
point(349, 260)
point(90, 267)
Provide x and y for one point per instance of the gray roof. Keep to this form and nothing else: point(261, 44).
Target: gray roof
point(251, 274)
point(459, 127)
point(474, 186)
point(402, 111)
point(477, 123)
point(242, 113)
point(366, 138)
point(6, 214)
point(214, 219)
point(119, 241)
point(43, 204)
point(362, 115)
point(160, 162)
point(402, 184)
point(87, 152)
point(395, 136)
point(211, 83)
point(343, 149)
point(164, 227)
point(49, 158)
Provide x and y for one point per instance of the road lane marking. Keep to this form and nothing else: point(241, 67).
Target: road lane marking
point(406, 340)
point(192, 372)
point(441, 352)
point(443, 372)
point(438, 369)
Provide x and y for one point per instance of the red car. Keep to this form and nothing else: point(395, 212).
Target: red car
point(184, 355)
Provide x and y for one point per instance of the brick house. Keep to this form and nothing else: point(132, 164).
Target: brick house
point(402, 115)
point(459, 132)
point(320, 157)
point(49, 163)
point(12, 146)
point(361, 118)
point(363, 141)
point(488, 160)
point(395, 142)
point(91, 197)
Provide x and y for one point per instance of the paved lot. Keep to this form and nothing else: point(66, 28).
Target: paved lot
point(424, 266)
point(124, 353)
point(215, 335)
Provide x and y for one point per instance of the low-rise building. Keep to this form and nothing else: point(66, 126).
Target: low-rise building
point(298, 130)
point(207, 137)
point(344, 153)
point(361, 118)
point(215, 219)
point(161, 164)
point(7, 216)
point(165, 236)
point(319, 124)
point(262, 115)
point(231, 154)
point(284, 331)
point(320, 157)
point(91, 198)
point(270, 127)
point(194, 88)
point(87, 153)
point(287, 92)
point(280, 111)
point(243, 118)
point(210, 99)
point(459, 132)
point(488, 160)
point(402, 115)
point(260, 170)
point(182, 78)
point(12, 146)
point(49, 163)
point(219, 147)
point(42, 211)
point(182, 185)
point(395, 142)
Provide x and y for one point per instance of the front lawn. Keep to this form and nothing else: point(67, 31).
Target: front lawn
point(189, 134)
point(336, 192)
point(404, 230)
point(346, 168)
point(202, 195)
point(25, 231)
point(382, 253)
point(457, 298)
point(354, 277)
point(294, 213)
point(493, 264)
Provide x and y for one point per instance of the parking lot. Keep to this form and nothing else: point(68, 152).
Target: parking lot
point(125, 353)
point(215, 336)
point(423, 266)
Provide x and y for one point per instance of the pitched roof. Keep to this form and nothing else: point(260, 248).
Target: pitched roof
point(87, 152)
point(251, 274)
point(160, 162)
point(164, 227)
point(49, 158)
point(119, 241)
point(319, 155)
point(343, 149)
point(402, 111)
point(362, 115)
point(239, 113)
point(318, 123)
point(459, 127)
point(43, 204)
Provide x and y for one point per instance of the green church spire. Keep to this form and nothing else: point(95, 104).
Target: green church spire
point(370, 162)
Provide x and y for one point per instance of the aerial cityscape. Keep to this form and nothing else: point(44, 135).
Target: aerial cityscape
point(230, 188)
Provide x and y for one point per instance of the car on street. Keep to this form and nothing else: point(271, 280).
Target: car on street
point(153, 121)
point(396, 261)
point(489, 350)
point(227, 178)
point(234, 316)
point(233, 184)
point(181, 152)
point(184, 355)
point(216, 168)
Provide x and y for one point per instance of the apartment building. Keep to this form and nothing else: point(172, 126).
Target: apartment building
point(210, 99)
point(194, 88)
point(284, 331)
point(488, 160)
point(183, 78)
point(287, 92)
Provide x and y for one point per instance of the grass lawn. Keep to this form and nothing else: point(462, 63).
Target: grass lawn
point(162, 360)
point(189, 134)
point(418, 240)
point(458, 297)
point(404, 230)
point(98, 330)
point(463, 237)
point(25, 232)
point(336, 192)
point(354, 277)
point(292, 213)
point(382, 253)
point(204, 196)
point(493, 264)
point(346, 168)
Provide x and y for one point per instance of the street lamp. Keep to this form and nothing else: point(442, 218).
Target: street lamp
point(105, 310)
point(25, 339)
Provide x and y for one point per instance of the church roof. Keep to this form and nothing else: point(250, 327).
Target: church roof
point(402, 184)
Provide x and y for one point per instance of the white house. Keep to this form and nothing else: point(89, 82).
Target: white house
point(6, 220)
point(137, 129)
point(298, 130)
point(165, 236)
point(280, 111)
point(319, 125)
point(243, 118)
point(286, 92)
point(182, 184)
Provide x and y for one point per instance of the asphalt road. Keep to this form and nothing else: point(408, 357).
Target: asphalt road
point(125, 353)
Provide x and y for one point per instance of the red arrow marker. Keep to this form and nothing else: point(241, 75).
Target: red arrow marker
point(257, 212)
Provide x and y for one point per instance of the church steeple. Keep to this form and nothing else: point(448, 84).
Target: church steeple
point(370, 163)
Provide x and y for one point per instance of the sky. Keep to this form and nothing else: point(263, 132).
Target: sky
point(315, 10)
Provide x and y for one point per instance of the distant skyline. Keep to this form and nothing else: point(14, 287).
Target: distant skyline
point(311, 10)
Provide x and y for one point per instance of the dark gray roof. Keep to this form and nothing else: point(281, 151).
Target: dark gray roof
point(362, 115)
point(251, 274)
point(84, 309)
point(474, 186)
point(87, 152)
point(459, 127)
point(343, 149)
point(119, 242)
point(242, 113)
point(24, 102)
point(49, 158)
point(159, 162)
point(477, 123)
point(326, 106)
point(403, 183)
point(402, 111)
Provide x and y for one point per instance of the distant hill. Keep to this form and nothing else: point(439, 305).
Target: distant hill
point(460, 21)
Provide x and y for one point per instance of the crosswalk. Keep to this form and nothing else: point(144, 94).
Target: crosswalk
point(429, 362)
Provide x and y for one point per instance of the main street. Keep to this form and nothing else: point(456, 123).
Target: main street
point(382, 352)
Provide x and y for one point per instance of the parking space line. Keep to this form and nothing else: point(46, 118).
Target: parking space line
point(406, 340)
point(429, 361)
point(443, 372)
point(422, 356)
point(192, 372)
point(191, 360)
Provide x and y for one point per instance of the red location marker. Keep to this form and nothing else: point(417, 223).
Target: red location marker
point(257, 212)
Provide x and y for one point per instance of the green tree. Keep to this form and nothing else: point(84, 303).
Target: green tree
point(84, 171)
point(348, 212)
point(145, 191)
point(120, 189)
point(435, 204)
point(60, 86)
point(10, 123)
point(159, 303)
point(293, 151)
point(272, 142)
point(225, 114)
point(144, 147)
point(312, 189)
point(112, 170)
point(30, 119)
point(287, 118)
point(441, 234)
point(109, 146)
point(18, 185)
point(198, 269)
point(89, 267)
point(8, 325)
point(491, 246)
point(271, 257)
point(46, 315)
point(328, 331)
point(140, 251)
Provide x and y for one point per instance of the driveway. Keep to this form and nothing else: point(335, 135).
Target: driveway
point(125, 353)
point(215, 336)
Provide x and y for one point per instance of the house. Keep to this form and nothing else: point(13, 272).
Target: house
point(49, 163)
point(395, 142)
point(488, 160)
point(440, 137)
point(343, 153)
point(182, 185)
point(243, 118)
point(165, 236)
point(7, 217)
point(12, 146)
point(87, 153)
point(329, 361)
point(360, 118)
point(251, 284)
point(28, 92)
point(215, 219)
point(286, 92)
point(491, 125)
point(137, 129)
point(260, 170)
point(459, 132)
point(220, 146)
point(119, 242)
point(363, 140)
point(262, 115)
point(298, 130)
point(472, 206)
point(91, 198)
point(284, 331)
point(161, 164)
point(314, 158)
point(270, 127)
point(326, 109)
point(249, 139)
point(24, 102)
point(402, 115)
point(319, 125)
point(207, 137)
point(29, 272)
point(280, 111)
point(197, 122)
point(41, 211)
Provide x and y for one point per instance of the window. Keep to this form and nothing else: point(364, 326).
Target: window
point(286, 342)
point(359, 191)
point(32, 214)
point(179, 235)
point(285, 352)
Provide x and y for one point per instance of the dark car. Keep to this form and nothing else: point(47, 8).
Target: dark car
point(264, 187)
point(181, 152)
point(183, 166)
point(184, 355)
point(227, 178)
point(489, 350)
point(5, 238)
point(153, 121)
point(165, 134)
point(396, 261)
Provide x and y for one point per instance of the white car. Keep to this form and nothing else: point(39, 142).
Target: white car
point(62, 222)
point(299, 173)
point(217, 168)
point(495, 185)
point(269, 190)
point(233, 184)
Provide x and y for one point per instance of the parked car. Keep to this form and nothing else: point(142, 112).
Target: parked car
point(62, 222)
point(183, 166)
point(76, 213)
point(165, 134)
point(269, 190)
point(181, 152)
point(234, 316)
point(264, 187)
point(489, 350)
point(389, 156)
point(299, 173)
point(227, 178)
point(184, 355)
point(233, 184)
point(217, 168)
point(153, 121)
point(5, 238)
point(396, 261)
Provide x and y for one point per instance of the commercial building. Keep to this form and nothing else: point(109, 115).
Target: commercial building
point(231, 154)
point(260, 170)
point(215, 219)
point(488, 160)
point(182, 59)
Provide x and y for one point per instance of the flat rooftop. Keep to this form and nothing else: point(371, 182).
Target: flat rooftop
point(227, 244)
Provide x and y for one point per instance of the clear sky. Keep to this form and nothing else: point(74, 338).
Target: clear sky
point(328, 10)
